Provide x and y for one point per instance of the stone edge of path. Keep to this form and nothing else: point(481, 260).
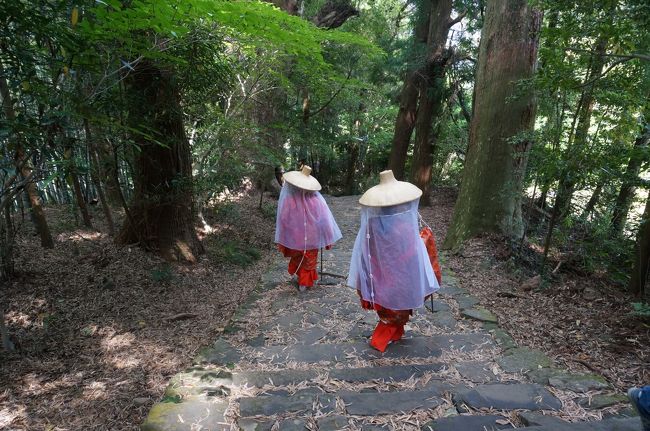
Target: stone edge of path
point(208, 398)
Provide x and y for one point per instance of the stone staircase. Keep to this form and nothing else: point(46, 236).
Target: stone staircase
point(291, 361)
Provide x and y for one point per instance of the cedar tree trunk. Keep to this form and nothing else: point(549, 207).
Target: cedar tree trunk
point(161, 214)
point(490, 193)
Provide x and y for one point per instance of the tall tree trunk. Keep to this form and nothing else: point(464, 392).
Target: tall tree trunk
point(408, 99)
point(431, 96)
point(404, 124)
point(73, 179)
point(630, 179)
point(353, 153)
point(6, 269)
point(23, 165)
point(577, 142)
point(490, 193)
point(95, 175)
point(593, 200)
point(575, 150)
point(162, 206)
point(639, 275)
point(105, 159)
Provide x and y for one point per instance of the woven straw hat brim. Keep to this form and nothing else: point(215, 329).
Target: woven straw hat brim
point(302, 181)
point(393, 193)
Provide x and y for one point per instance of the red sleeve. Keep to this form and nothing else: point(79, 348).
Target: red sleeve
point(432, 251)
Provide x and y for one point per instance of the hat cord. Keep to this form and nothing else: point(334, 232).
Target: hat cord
point(304, 248)
point(372, 284)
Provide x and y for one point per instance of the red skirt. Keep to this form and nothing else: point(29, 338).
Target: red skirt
point(304, 266)
point(390, 326)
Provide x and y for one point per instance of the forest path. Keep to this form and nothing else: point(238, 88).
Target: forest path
point(296, 361)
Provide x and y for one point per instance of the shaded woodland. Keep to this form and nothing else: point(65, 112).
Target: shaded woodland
point(159, 129)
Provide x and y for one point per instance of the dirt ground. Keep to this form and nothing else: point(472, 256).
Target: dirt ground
point(102, 328)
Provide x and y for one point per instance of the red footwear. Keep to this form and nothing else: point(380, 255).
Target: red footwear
point(399, 333)
point(383, 335)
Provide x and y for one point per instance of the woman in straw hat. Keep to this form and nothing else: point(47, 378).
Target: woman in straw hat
point(304, 223)
point(390, 267)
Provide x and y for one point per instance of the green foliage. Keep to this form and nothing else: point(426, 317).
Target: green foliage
point(233, 252)
point(269, 210)
point(175, 399)
point(163, 274)
point(227, 212)
point(641, 309)
point(50, 322)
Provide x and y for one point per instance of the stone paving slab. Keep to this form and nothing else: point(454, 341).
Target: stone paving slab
point(522, 359)
point(468, 423)
point(382, 403)
point(271, 405)
point(295, 424)
point(465, 302)
point(193, 413)
point(477, 372)
point(600, 401)
point(508, 397)
point(626, 424)
point(385, 373)
point(416, 347)
point(332, 423)
point(274, 378)
point(479, 313)
point(531, 419)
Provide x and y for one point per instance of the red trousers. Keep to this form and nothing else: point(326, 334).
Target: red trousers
point(390, 326)
point(304, 264)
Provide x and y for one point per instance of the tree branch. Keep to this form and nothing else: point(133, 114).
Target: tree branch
point(336, 93)
point(456, 20)
point(631, 56)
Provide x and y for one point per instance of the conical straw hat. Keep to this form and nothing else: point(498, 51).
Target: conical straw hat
point(302, 179)
point(390, 192)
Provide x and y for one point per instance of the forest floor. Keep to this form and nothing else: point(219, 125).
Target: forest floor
point(102, 328)
point(583, 322)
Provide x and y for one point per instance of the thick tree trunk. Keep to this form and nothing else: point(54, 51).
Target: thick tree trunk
point(408, 100)
point(404, 124)
point(630, 179)
point(334, 13)
point(639, 275)
point(24, 167)
point(162, 207)
point(490, 194)
point(95, 175)
point(432, 90)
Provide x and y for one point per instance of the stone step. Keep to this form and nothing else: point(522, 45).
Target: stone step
point(468, 423)
point(193, 413)
point(612, 424)
point(527, 396)
point(495, 422)
point(222, 353)
point(385, 403)
point(355, 403)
